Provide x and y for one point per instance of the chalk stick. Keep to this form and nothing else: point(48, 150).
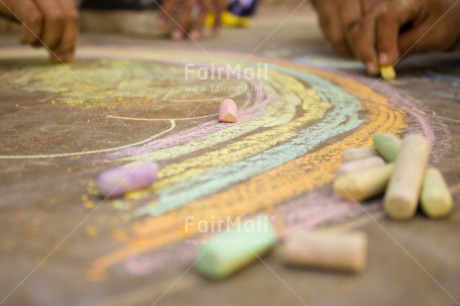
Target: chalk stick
point(403, 191)
point(231, 251)
point(387, 145)
point(388, 73)
point(357, 153)
point(360, 165)
point(326, 250)
point(436, 199)
point(363, 185)
point(117, 181)
point(228, 111)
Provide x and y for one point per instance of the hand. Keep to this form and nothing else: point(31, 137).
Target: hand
point(398, 28)
point(49, 23)
point(337, 19)
point(182, 25)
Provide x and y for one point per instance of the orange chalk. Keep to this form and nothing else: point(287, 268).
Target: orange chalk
point(228, 111)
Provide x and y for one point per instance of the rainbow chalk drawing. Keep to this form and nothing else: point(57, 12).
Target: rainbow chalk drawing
point(294, 122)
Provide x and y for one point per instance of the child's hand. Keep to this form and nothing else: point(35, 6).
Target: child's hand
point(395, 28)
point(53, 23)
point(184, 19)
point(338, 17)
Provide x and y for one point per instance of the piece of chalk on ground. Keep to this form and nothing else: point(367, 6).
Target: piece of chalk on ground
point(117, 181)
point(326, 250)
point(387, 145)
point(231, 251)
point(364, 185)
point(360, 165)
point(388, 73)
point(403, 191)
point(436, 199)
point(228, 111)
point(357, 153)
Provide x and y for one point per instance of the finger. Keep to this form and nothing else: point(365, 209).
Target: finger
point(67, 43)
point(166, 12)
point(415, 40)
point(220, 8)
point(350, 14)
point(183, 20)
point(330, 25)
point(390, 19)
point(53, 22)
point(197, 31)
point(31, 19)
point(363, 36)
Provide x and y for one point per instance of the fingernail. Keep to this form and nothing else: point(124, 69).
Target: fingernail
point(370, 68)
point(177, 35)
point(383, 58)
point(195, 35)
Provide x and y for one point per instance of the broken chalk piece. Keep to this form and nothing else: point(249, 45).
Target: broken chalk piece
point(388, 73)
point(117, 181)
point(228, 111)
point(357, 153)
point(326, 250)
point(387, 145)
point(436, 199)
point(364, 185)
point(360, 165)
point(229, 252)
point(403, 191)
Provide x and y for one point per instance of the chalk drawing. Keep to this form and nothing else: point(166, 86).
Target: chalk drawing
point(293, 126)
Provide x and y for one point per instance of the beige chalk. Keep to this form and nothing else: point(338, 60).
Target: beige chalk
point(436, 199)
point(387, 145)
point(360, 165)
point(364, 185)
point(357, 153)
point(388, 73)
point(228, 111)
point(326, 250)
point(403, 191)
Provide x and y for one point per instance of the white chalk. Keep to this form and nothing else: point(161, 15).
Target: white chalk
point(360, 165)
point(357, 153)
point(436, 199)
point(117, 181)
point(403, 191)
point(228, 111)
point(326, 250)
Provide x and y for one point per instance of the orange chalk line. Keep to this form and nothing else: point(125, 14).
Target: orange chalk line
point(303, 174)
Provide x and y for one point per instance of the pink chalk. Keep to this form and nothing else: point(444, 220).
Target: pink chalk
point(228, 111)
point(117, 181)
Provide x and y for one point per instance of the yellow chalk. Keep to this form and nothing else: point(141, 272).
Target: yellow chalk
point(326, 250)
point(363, 185)
point(403, 192)
point(436, 199)
point(388, 73)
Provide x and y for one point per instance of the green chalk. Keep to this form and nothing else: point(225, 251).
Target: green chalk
point(231, 251)
point(436, 199)
point(387, 146)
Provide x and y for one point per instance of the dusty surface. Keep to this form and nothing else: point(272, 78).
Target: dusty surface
point(49, 236)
